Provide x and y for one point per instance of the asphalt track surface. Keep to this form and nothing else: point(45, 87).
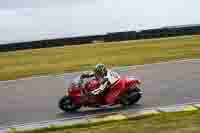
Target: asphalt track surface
point(35, 99)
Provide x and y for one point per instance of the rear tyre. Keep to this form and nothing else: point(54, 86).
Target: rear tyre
point(66, 104)
point(131, 97)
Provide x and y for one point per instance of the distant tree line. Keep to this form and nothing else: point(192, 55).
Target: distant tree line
point(109, 37)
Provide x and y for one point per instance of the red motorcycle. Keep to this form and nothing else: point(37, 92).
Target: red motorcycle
point(78, 93)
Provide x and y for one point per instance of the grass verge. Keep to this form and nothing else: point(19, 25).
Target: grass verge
point(27, 63)
point(181, 122)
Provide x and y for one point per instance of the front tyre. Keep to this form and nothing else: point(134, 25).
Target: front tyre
point(135, 95)
point(66, 104)
point(131, 97)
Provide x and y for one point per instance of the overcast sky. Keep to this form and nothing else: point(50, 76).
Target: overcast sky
point(24, 20)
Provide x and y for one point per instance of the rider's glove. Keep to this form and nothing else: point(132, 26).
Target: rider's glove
point(100, 89)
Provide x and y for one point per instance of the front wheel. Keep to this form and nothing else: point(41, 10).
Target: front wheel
point(66, 104)
point(131, 97)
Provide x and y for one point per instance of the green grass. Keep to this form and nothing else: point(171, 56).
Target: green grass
point(181, 122)
point(27, 63)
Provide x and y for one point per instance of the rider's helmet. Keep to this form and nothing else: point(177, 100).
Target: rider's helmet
point(100, 70)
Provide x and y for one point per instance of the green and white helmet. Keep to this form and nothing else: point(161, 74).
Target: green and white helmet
point(100, 70)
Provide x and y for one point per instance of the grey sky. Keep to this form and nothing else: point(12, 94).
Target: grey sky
point(24, 20)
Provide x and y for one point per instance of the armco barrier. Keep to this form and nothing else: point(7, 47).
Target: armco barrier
point(118, 116)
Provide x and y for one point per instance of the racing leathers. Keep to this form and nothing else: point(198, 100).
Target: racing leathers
point(106, 81)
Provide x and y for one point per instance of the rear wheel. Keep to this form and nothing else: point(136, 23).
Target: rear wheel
point(131, 97)
point(66, 104)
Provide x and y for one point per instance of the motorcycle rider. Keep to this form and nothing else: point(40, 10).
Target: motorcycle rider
point(107, 78)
